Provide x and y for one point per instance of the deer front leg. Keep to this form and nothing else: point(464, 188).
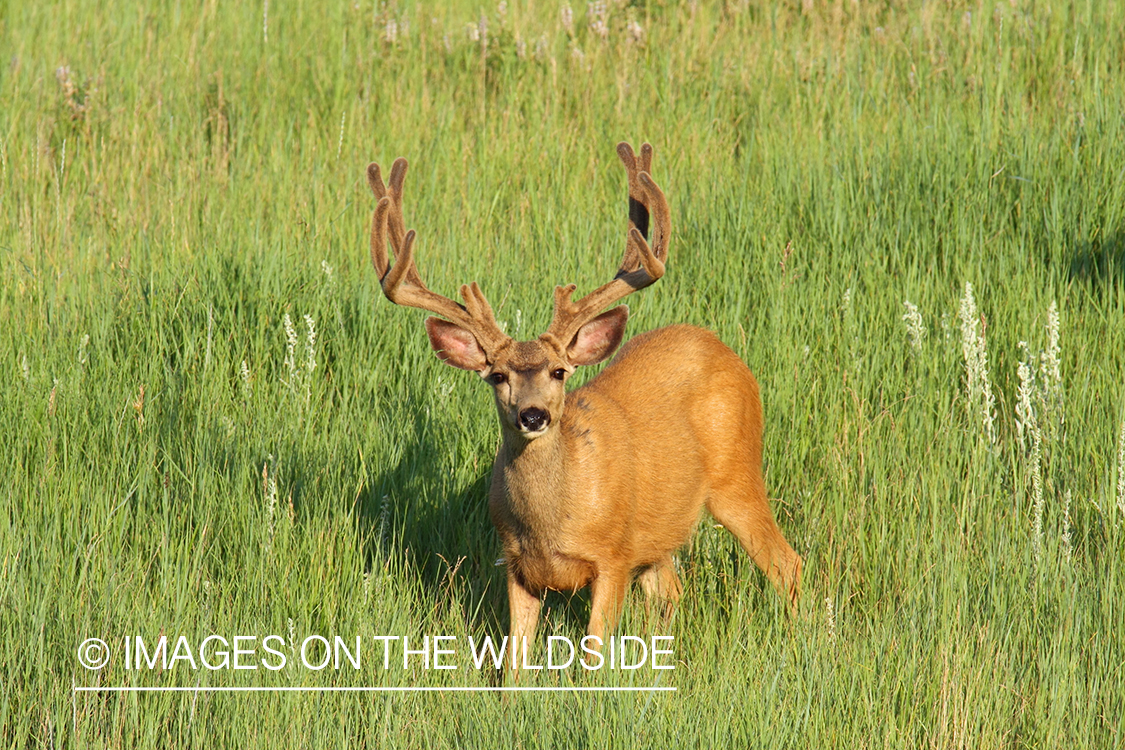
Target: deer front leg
point(523, 617)
point(607, 594)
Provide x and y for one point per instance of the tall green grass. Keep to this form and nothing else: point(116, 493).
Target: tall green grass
point(176, 179)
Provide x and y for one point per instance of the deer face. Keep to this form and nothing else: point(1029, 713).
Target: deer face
point(528, 377)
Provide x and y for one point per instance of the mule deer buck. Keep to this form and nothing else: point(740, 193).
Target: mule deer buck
point(603, 483)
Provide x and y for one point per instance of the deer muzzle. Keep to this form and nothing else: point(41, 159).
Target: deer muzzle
point(533, 419)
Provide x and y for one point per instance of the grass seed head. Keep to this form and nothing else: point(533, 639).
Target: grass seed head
point(1065, 538)
point(566, 18)
point(290, 347)
point(978, 385)
point(310, 345)
point(830, 619)
point(1026, 422)
point(244, 373)
point(1121, 472)
point(915, 328)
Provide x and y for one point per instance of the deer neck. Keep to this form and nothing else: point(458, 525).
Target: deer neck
point(535, 475)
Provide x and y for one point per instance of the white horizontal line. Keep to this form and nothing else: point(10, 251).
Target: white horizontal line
point(393, 689)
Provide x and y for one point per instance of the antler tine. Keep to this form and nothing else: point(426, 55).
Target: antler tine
point(402, 284)
point(395, 225)
point(647, 204)
point(641, 265)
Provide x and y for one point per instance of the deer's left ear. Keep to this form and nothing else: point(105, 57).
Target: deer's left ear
point(599, 338)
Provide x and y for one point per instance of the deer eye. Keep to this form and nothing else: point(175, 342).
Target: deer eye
point(497, 378)
point(559, 374)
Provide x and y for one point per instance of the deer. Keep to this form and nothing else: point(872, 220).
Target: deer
point(601, 485)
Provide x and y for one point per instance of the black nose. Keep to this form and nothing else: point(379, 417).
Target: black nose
point(533, 419)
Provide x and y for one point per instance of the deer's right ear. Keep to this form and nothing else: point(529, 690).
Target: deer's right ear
point(454, 345)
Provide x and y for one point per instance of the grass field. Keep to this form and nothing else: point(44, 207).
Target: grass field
point(179, 180)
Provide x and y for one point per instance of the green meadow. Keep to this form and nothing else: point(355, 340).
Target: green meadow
point(907, 218)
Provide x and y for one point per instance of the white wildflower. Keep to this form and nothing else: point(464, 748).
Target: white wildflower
point(444, 388)
point(636, 32)
point(1027, 428)
point(244, 371)
point(915, 328)
point(390, 31)
point(310, 345)
point(340, 142)
point(1026, 422)
point(1121, 471)
point(1050, 373)
point(85, 342)
point(473, 31)
point(566, 17)
point(290, 347)
point(973, 348)
point(596, 13)
point(25, 367)
point(1035, 470)
point(271, 499)
point(1049, 365)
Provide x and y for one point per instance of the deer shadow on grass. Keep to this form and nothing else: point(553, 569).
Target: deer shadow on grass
point(413, 515)
point(1099, 262)
point(417, 516)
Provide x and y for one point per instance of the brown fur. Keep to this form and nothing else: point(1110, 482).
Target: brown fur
point(673, 424)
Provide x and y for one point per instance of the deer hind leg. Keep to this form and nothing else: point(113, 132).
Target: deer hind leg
point(662, 586)
point(742, 507)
